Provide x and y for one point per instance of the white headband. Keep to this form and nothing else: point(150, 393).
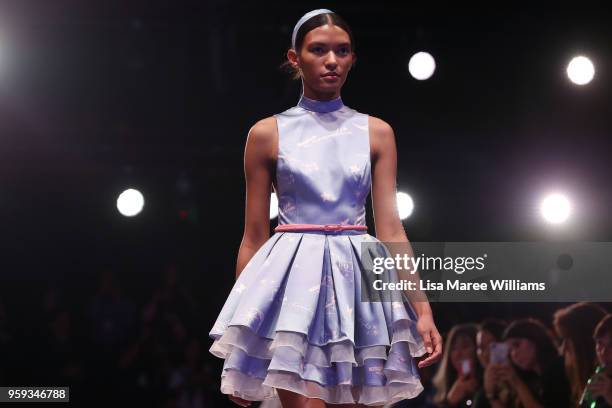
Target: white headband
point(302, 20)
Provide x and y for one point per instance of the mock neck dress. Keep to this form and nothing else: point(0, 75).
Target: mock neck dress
point(294, 319)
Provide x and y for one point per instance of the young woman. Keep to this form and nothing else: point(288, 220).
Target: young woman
point(294, 324)
point(599, 386)
point(459, 376)
point(574, 325)
point(490, 331)
point(536, 374)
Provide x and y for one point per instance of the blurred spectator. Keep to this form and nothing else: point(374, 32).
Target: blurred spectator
point(536, 373)
point(112, 316)
point(142, 369)
point(599, 388)
point(490, 331)
point(61, 356)
point(171, 302)
point(459, 375)
point(574, 326)
point(190, 379)
point(111, 322)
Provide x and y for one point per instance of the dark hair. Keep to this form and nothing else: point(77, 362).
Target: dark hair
point(604, 327)
point(575, 325)
point(494, 326)
point(539, 335)
point(309, 25)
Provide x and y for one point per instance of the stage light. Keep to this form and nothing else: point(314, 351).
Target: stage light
point(580, 70)
point(273, 206)
point(405, 205)
point(421, 66)
point(130, 202)
point(555, 208)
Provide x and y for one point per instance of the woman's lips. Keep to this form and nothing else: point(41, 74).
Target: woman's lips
point(331, 78)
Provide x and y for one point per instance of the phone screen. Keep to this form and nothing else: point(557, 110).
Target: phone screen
point(466, 367)
point(498, 353)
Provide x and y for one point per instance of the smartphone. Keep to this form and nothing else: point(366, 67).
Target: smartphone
point(466, 367)
point(498, 353)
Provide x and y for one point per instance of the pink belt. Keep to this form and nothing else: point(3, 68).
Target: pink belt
point(318, 227)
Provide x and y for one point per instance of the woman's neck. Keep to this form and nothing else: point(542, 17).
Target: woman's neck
point(319, 105)
point(320, 96)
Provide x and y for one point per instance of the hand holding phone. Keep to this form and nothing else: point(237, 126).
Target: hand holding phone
point(466, 367)
point(498, 353)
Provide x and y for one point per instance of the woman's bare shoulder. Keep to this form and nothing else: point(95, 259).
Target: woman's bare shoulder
point(264, 128)
point(264, 132)
point(263, 137)
point(379, 127)
point(381, 134)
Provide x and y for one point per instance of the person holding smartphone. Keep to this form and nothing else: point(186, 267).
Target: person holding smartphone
point(535, 372)
point(459, 375)
point(490, 349)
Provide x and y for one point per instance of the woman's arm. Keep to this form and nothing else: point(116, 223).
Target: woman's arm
point(259, 158)
point(389, 227)
point(523, 393)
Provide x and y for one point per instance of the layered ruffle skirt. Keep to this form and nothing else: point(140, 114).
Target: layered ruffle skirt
point(295, 320)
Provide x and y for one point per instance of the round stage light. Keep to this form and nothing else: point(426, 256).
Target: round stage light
point(555, 208)
point(405, 205)
point(421, 66)
point(130, 202)
point(580, 70)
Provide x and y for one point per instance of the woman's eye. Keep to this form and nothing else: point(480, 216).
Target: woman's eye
point(344, 51)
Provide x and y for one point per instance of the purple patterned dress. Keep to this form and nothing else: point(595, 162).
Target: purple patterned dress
point(294, 318)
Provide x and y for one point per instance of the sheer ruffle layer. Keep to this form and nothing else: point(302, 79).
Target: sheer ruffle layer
point(255, 389)
point(343, 351)
point(336, 372)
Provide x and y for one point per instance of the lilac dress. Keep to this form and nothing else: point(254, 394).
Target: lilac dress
point(294, 318)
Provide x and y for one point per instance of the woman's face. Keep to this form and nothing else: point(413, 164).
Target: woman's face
point(326, 50)
point(523, 353)
point(463, 348)
point(483, 340)
point(603, 349)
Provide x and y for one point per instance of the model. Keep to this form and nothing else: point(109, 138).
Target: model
point(294, 324)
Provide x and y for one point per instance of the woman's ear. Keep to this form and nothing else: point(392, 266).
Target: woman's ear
point(354, 60)
point(292, 57)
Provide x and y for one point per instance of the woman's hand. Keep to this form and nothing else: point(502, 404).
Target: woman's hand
point(491, 379)
point(463, 387)
point(240, 401)
point(431, 338)
point(507, 374)
point(601, 387)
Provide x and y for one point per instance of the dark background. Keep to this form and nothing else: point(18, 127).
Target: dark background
point(159, 95)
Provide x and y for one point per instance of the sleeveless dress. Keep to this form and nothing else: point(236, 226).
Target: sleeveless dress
point(294, 318)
